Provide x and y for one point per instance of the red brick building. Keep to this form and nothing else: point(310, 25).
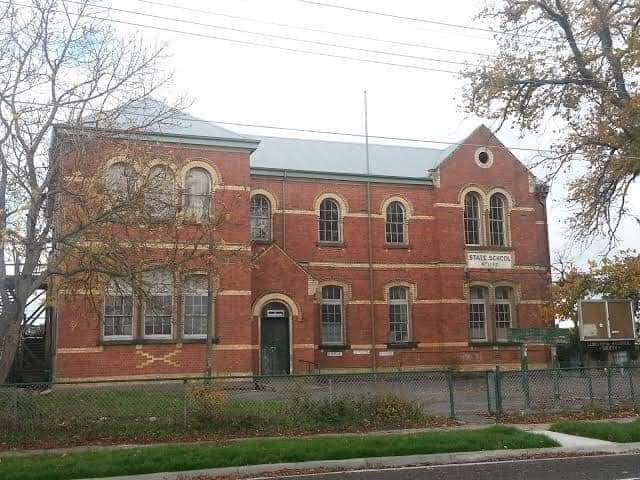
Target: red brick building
point(420, 259)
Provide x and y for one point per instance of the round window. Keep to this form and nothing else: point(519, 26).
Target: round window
point(484, 157)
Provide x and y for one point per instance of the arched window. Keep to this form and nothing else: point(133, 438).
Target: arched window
point(497, 220)
point(471, 219)
point(118, 311)
point(395, 223)
point(160, 194)
point(398, 314)
point(329, 225)
point(260, 218)
point(120, 182)
point(196, 306)
point(478, 313)
point(332, 316)
point(158, 306)
point(504, 313)
point(197, 195)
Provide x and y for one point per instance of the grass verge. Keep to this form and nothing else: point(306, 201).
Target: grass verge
point(610, 431)
point(253, 452)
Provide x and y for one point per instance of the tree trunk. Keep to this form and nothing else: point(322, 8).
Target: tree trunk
point(9, 341)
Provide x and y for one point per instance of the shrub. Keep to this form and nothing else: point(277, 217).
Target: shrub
point(208, 401)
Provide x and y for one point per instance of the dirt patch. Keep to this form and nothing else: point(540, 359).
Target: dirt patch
point(560, 416)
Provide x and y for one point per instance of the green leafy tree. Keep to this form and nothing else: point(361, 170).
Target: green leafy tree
point(575, 64)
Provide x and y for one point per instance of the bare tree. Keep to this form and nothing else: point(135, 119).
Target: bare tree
point(575, 64)
point(61, 64)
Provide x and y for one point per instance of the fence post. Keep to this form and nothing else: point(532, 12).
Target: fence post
point(452, 410)
point(185, 401)
point(608, 370)
point(631, 387)
point(498, 382)
point(556, 387)
point(525, 388)
point(330, 390)
point(16, 413)
point(590, 387)
point(487, 373)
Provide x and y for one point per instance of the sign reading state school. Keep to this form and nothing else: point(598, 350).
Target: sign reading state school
point(489, 259)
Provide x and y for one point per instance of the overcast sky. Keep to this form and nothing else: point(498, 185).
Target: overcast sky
point(236, 82)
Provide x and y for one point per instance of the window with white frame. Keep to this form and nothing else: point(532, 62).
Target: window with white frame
point(158, 305)
point(504, 313)
point(331, 316)
point(121, 182)
point(398, 314)
point(260, 210)
point(197, 195)
point(117, 322)
point(471, 219)
point(329, 224)
point(160, 194)
point(395, 224)
point(196, 306)
point(478, 313)
point(497, 220)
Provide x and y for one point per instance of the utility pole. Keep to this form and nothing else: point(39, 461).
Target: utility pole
point(372, 315)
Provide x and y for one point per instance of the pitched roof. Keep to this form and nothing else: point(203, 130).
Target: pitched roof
point(345, 158)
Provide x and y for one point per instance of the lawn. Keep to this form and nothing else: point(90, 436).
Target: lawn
point(610, 431)
point(254, 452)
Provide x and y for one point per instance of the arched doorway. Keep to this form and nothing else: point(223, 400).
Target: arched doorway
point(274, 339)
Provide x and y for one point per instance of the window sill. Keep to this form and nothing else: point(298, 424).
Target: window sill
point(494, 248)
point(331, 244)
point(152, 341)
point(401, 345)
point(487, 343)
point(333, 348)
point(397, 246)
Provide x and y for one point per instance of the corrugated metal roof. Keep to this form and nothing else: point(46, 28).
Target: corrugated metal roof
point(345, 158)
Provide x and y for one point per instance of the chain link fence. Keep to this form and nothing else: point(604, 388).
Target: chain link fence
point(306, 403)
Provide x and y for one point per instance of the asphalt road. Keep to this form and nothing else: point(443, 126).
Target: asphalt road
point(610, 467)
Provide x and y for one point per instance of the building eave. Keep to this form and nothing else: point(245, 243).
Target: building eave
point(347, 177)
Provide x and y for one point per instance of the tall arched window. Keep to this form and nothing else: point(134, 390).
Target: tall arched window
point(478, 313)
point(504, 313)
point(497, 220)
point(196, 306)
point(260, 218)
point(197, 195)
point(395, 223)
point(331, 316)
point(329, 225)
point(471, 219)
point(120, 182)
point(118, 311)
point(398, 314)
point(160, 194)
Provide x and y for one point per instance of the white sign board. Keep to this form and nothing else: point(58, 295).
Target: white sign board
point(491, 260)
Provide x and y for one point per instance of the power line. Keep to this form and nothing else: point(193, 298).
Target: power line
point(423, 20)
point(278, 37)
point(257, 44)
point(315, 30)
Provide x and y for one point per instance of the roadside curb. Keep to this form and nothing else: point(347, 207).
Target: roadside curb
point(391, 462)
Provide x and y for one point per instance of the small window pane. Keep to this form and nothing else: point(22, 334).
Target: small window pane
point(260, 218)
point(160, 194)
point(331, 313)
point(395, 223)
point(471, 219)
point(496, 220)
point(329, 226)
point(197, 195)
point(398, 314)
